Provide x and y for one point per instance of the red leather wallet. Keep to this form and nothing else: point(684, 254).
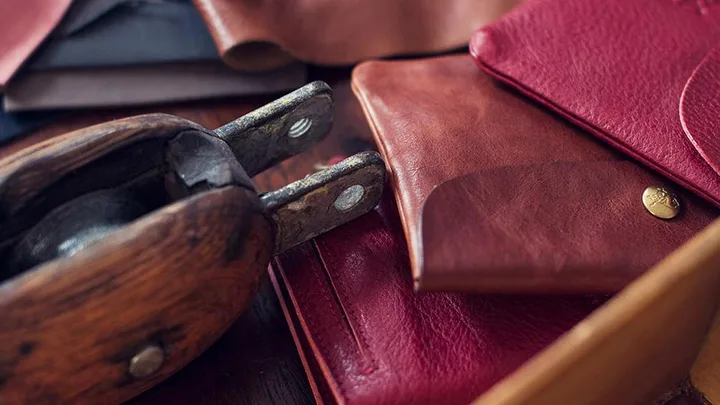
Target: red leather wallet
point(497, 195)
point(643, 75)
point(366, 338)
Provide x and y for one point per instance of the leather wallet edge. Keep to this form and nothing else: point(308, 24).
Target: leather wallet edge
point(322, 389)
point(481, 44)
point(414, 247)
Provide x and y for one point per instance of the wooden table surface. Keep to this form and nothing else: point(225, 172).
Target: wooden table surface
point(255, 362)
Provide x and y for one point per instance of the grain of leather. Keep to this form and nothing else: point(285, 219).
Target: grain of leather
point(438, 119)
point(259, 35)
point(562, 227)
point(357, 319)
point(618, 68)
point(24, 24)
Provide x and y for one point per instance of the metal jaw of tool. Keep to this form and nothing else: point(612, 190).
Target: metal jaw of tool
point(321, 201)
point(273, 133)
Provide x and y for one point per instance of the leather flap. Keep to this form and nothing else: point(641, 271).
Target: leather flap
point(700, 108)
point(560, 227)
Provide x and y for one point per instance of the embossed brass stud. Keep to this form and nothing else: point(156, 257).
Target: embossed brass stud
point(146, 362)
point(661, 202)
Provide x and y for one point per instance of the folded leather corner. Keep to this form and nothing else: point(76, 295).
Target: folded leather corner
point(337, 32)
point(700, 108)
point(481, 44)
point(577, 227)
point(246, 34)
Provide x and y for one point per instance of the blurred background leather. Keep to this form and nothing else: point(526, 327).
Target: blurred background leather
point(122, 52)
point(24, 24)
point(259, 35)
point(575, 227)
point(102, 33)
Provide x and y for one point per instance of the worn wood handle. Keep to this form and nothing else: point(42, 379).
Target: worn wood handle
point(175, 279)
point(124, 313)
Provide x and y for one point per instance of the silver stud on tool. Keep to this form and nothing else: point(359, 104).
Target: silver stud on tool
point(349, 197)
point(146, 361)
point(300, 127)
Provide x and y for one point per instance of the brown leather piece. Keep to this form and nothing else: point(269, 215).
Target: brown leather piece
point(556, 227)
point(24, 24)
point(437, 119)
point(259, 35)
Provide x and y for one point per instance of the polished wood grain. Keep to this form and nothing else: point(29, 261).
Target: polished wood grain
point(634, 348)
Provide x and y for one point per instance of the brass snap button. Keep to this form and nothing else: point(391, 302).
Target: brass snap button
point(661, 202)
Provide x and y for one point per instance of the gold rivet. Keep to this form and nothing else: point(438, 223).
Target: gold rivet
point(146, 361)
point(661, 202)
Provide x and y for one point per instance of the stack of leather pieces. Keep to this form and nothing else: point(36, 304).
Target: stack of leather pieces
point(26, 24)
point(511, 173)
point(496, 194)
point(108, 53)
point(102, 53)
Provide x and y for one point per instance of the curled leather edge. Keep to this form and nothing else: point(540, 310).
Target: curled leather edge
point(700, 108)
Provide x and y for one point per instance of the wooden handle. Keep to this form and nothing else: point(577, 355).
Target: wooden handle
point(173, 280)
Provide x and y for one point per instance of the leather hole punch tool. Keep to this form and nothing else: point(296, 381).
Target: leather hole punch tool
point(127, 248)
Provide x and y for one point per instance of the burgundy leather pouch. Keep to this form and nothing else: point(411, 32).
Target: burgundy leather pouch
point(643, 75)
point(497, 195)
point(366, 338)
